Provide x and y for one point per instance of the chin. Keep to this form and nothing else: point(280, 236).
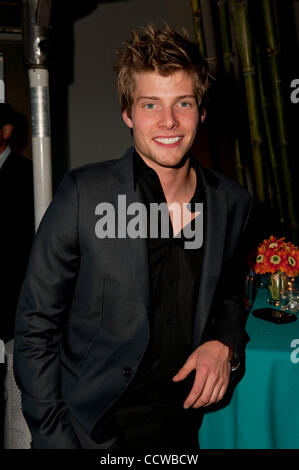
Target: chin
point(175, 162)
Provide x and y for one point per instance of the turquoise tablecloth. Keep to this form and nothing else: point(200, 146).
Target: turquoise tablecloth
point(264, 410)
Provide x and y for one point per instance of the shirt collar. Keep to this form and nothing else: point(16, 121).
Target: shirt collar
point(140, 168)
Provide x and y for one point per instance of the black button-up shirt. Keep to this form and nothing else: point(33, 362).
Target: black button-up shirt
point(174, 276)
point(151, 408)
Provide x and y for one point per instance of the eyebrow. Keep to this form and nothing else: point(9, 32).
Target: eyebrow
point(156, 98)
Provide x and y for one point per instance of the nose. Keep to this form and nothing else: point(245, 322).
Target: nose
point(168, 119)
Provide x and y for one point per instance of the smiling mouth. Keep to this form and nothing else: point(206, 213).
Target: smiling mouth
point(168, 140)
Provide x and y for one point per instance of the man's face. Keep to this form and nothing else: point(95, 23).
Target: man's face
point(164, 117)
point(2, 141)
point(5, 133)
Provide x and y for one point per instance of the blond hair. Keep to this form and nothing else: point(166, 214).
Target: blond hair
point(164, 51)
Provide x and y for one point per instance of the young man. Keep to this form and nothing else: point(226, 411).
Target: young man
point(121, 340)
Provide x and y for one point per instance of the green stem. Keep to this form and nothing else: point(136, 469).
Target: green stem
point(275, 167)
point(240, 18)
point(273, 51)
point(198, 26)
point(225, 36)
point(227, 52)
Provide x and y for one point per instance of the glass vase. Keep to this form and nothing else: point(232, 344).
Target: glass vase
point(277, 283)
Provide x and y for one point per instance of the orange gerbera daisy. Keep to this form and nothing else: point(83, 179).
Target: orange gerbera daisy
point(275, 254)
point(291, 263)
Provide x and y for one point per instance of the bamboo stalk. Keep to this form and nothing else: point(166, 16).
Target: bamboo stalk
point(271, 189)
point(275, 167)
point(227, 51)
point(198, 26)
point(200, 38)
point(225, 36)
point(240, 18)
point(239, 167)
point(273, 51)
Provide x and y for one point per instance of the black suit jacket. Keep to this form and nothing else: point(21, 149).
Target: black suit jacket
point(82, 319)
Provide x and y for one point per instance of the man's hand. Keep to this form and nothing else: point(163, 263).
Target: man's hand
point(211, 363)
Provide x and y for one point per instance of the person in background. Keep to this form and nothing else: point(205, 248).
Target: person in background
point(120, 340)
point(17, 221)
point(16, 230)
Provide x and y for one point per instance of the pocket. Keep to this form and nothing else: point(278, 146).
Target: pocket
point(117, 326)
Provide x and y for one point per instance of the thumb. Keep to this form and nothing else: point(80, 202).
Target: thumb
point(189, 365)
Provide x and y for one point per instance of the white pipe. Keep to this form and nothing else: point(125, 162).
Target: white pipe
point(41, 141)
point(2, 85)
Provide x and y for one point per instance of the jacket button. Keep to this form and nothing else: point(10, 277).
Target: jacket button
point(127, 371)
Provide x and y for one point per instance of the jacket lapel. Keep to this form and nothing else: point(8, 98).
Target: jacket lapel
point(136, 247)
point(215, 220)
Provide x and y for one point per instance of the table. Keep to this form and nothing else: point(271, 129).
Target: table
point(263, 412)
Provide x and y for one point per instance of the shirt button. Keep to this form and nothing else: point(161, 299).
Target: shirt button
point(127, 371)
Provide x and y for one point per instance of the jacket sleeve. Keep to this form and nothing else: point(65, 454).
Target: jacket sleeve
point(42, 310)
point(228, 318)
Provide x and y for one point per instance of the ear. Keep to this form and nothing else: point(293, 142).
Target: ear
point(203, 114)
point(7, 130)
point(127, 119)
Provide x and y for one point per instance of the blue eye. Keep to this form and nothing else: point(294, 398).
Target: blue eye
point(149, 106)
point(184, 104)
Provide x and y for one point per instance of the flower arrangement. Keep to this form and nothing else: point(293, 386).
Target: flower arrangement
point(276, 255)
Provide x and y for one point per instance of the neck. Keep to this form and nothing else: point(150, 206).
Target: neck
point(178, 184)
